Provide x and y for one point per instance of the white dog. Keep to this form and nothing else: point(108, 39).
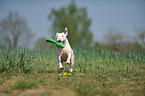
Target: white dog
point(64, 54)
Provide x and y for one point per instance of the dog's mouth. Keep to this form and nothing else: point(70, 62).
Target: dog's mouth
point(59, 41)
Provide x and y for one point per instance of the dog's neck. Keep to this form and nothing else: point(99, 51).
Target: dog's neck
point(65, 41)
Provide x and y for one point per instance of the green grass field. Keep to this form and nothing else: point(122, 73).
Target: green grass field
point(98, 72)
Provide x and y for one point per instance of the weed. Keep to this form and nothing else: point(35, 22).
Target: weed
point(24, 84)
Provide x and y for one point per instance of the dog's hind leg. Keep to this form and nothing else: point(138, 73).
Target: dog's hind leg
point(72, 62)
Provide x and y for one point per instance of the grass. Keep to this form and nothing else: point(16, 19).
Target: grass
point(98, 72)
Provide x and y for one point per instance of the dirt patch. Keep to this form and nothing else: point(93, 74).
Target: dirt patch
point(38, 91)
point(44, 92)
point(2, 94)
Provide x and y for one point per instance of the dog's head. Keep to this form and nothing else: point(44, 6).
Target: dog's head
point(60, 37)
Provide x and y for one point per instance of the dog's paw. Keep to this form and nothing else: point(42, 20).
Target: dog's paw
point(71, 70)
point(67, 62)
point(60, 67)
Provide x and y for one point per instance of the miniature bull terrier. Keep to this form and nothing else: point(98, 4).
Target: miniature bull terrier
point(65, 54)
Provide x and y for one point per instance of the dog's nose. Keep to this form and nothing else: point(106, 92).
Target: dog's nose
point(59, 40)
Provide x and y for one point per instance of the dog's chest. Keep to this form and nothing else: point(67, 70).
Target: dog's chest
point(65, 51)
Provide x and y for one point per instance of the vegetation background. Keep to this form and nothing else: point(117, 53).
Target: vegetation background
point(15, 32)
point(113, 67)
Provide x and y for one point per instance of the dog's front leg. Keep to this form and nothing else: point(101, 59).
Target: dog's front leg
point(68, 58)
point(59, 61)
point(58, 55)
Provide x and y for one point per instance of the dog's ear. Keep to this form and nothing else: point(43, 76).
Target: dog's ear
point(66, 31)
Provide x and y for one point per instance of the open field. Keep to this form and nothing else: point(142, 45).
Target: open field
point(99, 72)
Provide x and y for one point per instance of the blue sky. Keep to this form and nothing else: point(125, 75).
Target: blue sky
point(123, 15)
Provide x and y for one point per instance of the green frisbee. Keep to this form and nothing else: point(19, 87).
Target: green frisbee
point(58, 44)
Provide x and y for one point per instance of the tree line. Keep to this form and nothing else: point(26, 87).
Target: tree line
point(14, 31)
